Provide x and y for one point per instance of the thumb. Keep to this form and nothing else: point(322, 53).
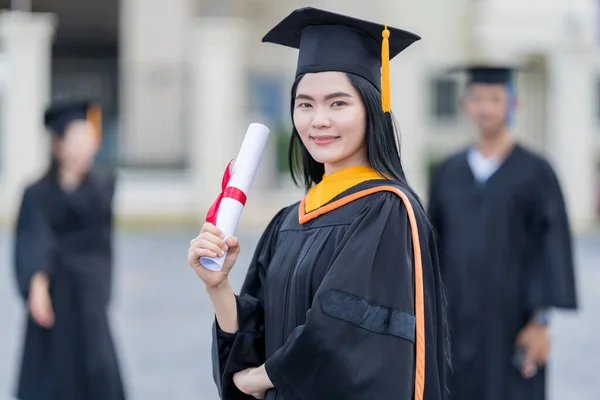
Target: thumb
point(49, 314)
point(234, 244)
point(529, 364)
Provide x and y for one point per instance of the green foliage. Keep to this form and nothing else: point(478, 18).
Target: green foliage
point(282, 134)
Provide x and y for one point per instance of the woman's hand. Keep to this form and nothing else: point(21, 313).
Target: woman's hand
point(39, 302)
point(211, 243)
point(535, 339)
point(253, 381)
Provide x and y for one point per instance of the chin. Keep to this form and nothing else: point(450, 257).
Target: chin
point(491, 130)
point(321, 157)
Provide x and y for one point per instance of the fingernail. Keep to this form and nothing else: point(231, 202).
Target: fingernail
point(225, 248)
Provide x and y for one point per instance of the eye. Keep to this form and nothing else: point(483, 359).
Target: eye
point(303, 105)
point(339, 103)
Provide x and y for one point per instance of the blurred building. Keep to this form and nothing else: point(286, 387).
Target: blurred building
point(180, 80)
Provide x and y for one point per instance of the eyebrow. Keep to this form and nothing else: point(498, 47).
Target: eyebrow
point(328, 97)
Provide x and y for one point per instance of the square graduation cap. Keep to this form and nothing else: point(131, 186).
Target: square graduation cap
point(59, 115)
point(488, 73)
point(334, 42)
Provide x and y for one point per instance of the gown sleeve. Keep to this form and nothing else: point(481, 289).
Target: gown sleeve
point(245, 348)
point(358, 341)
point(552, 281)
point(33, 251)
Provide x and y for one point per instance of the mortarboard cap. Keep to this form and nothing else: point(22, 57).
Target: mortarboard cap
point(334, 42)
point(59, 115)
point(491, 75)
point(488, 73)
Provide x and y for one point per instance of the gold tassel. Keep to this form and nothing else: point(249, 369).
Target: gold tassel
point(94, 115)
point(385, 71)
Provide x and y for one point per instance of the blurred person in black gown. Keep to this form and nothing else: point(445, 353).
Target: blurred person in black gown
point(63, 267)
point(505, 250)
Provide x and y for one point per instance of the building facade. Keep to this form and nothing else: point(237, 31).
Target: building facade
point(181, 80)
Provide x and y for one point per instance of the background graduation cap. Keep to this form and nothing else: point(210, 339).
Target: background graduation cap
point(60, 114)
point(488, 73)
point(334, 42)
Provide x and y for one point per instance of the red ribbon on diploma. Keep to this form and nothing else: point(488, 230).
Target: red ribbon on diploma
point(226, 192)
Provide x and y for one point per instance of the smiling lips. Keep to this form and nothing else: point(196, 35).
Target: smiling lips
point(324, 139)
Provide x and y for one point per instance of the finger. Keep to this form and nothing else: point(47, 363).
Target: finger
point(213, 239)
point(210, 228)
point(40, 317)
point(529, 370)
point(203, 253)
point(194, 257)
point(529, 363)
point(35, 315)
point(50, 315)
point(542, 355)
point(233, 243)
point(208, 236)
point(205, 244)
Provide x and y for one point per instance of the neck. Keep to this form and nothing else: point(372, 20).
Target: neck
point(69, 180)
point(495, 145)
point(359, 159)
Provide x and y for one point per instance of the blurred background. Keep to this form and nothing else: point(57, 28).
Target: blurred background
point(180, 80)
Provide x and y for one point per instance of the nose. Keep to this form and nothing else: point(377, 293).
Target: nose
point(321, 119)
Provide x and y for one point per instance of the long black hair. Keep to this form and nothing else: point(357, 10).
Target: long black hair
point(51, 173)
point(383, 142)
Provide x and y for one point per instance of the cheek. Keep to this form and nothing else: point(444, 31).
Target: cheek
point(354, 124)
point(302, 122)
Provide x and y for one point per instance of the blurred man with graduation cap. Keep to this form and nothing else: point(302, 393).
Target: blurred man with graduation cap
point(342, 299)
point(505, 249)
point(63, 267)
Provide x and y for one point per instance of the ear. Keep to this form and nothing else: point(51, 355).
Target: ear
point(462, 101)
point(55, 143)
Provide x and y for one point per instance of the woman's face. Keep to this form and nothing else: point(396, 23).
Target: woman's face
point(331, 119)
point(78, 147)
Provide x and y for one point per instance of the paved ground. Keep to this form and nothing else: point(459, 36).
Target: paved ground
point(162, 321)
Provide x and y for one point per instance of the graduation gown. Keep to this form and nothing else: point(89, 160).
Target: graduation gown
point(68, 236)
point(341, 303)
point(505, 253)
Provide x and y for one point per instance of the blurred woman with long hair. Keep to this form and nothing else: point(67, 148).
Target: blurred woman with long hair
point(63, 267)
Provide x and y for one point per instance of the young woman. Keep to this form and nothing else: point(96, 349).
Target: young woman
point(63, 262)
point(343, 298)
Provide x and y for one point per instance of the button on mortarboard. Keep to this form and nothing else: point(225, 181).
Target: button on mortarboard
point(334, 42)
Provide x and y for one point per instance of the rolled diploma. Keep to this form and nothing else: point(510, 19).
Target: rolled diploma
point(242, 176)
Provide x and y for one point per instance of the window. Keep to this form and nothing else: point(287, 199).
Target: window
point(444, 99)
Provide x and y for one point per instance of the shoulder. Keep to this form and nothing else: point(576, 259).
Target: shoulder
point(283, 215)
point(33, 191)
point(450, 163)
point(106, 178)
point(395, 200)
point(104, 181)
point(540, 167)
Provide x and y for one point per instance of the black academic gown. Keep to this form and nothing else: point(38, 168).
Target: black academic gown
point(505, 252)
point(329, 305)
point(68, 236)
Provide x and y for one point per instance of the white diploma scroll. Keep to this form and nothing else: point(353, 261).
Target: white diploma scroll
point(242, 175)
